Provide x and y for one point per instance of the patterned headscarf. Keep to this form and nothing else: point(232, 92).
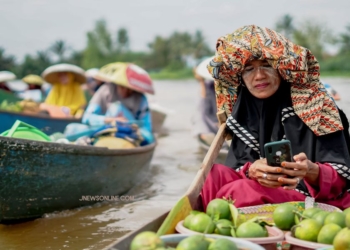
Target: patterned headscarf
point(294, 63)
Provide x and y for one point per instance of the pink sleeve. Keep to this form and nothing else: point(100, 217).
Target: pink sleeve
point(331, 184)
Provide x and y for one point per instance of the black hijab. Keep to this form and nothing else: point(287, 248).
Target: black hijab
point(254, 122)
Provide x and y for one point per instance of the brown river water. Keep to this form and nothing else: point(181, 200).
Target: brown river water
point(174, 165)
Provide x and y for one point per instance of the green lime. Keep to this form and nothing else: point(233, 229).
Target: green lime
point(223, 244)
point(202, 223)
point(188, 218)
point(327, 233)
point(307, 229)
point(342, 240)
point(320, 216)
point(309, 212)
point(283, 216)
point(346, 211)
point(146, 240)
point(220, 208)
point(250, 230)
point(223, 227)
point(193, 242)
point(347, 220)
point(336, 218)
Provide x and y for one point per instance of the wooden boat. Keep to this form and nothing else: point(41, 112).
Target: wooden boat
point(42, 177)
point(165, 223)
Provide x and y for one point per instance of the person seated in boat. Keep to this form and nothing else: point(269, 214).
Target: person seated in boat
point(115, 103)
point(205, 120)
point(3, 86)
point(271, 90)
point(6, 76)
point(92, 82)
point(34, 91)
point(66, 91)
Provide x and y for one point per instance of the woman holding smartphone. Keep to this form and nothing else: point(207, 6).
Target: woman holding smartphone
point(270, 90)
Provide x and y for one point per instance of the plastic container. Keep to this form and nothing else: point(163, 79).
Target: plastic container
point(25, 131)
point(275, 236)
point(172, 240)
point(296, 244)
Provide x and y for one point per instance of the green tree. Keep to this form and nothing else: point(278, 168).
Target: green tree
point(7, 62)
point(285, 26)
point(200, 47)
point(122, 40)
point(314, 36)
point(345, 40)
point(59, 48)
point(99, 46)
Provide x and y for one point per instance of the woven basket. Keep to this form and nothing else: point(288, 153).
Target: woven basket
point(268, 209)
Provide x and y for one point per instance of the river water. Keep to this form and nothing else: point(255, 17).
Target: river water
point(174, 165)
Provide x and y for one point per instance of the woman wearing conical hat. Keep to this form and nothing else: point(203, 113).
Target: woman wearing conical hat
point(121, 98)
point(271, 91)
point(34, 91)
point(66, 80)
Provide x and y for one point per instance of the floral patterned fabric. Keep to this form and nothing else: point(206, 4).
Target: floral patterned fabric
point(296, 65)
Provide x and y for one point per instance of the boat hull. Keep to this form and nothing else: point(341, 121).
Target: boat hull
point(43, 177)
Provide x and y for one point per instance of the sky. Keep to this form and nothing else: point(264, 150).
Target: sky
point(27, 26)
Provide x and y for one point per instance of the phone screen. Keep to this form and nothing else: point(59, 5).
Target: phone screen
point(277, 152)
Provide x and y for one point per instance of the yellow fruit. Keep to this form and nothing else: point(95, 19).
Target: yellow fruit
point(307, 229)
point(342, 240)
point(327, 233)
point(283, 216)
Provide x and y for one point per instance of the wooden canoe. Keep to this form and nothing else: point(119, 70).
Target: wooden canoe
point(165, 223)
point(42, 177)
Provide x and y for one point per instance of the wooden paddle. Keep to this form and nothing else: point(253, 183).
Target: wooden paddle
point(189, 201)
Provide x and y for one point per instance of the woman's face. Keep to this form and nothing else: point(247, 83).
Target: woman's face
point(261, 79)
point(63, 77)
point(123, 91)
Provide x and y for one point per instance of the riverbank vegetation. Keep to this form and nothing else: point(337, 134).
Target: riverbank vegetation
point(173, 57)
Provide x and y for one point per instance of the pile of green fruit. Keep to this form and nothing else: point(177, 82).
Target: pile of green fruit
point(150, 241)
point(10, 106)
point(222, 217)
point(315, 225)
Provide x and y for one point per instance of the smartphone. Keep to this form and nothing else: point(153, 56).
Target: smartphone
point(278, 151)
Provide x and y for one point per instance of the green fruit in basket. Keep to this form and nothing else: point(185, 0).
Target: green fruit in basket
point(250, 230)
point(223, 227)
point(342, 240)
point(347, 211)
point(347, 220)
point(202, 223)
point(219, 208)
point(193, 242)
point(146, 240)
point(327, 233)
point(283, 216)
point(189, 217)
point(309, 212)
point(307, 229)
point(320, 216)
point(223, 244)
point(336, 218)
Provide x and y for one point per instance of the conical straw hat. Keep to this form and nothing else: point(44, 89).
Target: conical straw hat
point(50, 74)
point(6, 76)
point(33, 79)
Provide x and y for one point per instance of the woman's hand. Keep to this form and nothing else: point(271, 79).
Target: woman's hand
point(298, 170)
point(115, 119)
point(266, 175)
